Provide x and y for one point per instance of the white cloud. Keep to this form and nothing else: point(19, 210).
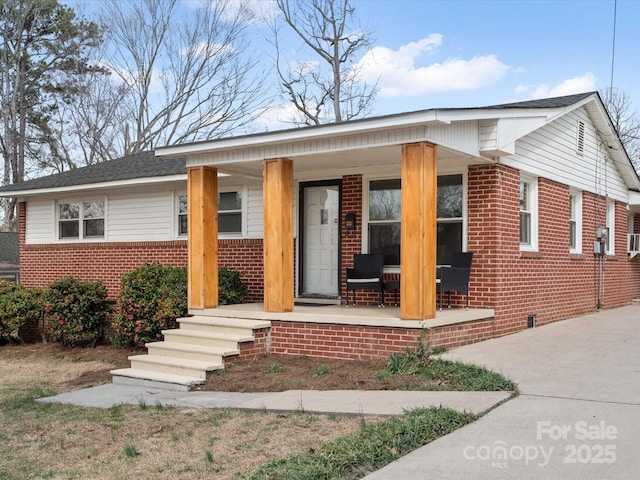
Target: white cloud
point(570, 86)
point(261, 11)
point(277, 117)
point(398, 75)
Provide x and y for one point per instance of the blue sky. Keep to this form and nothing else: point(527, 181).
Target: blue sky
point(474, 53)
point(464, 53)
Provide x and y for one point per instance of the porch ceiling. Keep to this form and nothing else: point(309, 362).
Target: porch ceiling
point(352, 161)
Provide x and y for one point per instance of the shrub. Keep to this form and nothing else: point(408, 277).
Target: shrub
point(231, 289)
point(80, 310)
point(18, 305)
point(151, 298)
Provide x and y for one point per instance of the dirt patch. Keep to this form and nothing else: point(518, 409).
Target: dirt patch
point(41, 364)
point(276, 374)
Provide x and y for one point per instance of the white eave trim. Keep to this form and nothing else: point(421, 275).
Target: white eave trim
point(407, 120)
point(95, 186)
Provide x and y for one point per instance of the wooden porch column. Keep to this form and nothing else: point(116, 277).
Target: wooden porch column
point(202, 198)
point(278, 235)
point(418, 232)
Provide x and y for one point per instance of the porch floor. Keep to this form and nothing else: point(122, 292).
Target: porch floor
point(353, 315)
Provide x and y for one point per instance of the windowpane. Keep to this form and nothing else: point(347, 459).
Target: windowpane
point(69, 211)
point(182, 225)
point(230, 223)
point(182, 204)
point(384, 200)
point(69, 229)
point(385, 238)
point(524, 196)
point(230, 201)
point(572, 234)
point(450, 196)
point(449, 241)
point(572, 205)
point(94, 228)
point(93, 209)
point(525, 228)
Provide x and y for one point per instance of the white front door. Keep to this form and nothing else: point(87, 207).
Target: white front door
point(321, 223)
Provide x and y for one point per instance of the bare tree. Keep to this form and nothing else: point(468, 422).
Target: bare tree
point(43, 53)
point(626, 121)
point(186, 77)
point(326, 87)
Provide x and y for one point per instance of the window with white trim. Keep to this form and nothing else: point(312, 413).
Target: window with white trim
point(384, 219)
point(528, 213)
point(610, 221)
point(575, 222)
point(383, 231)
point(229, 213)
point(80, 220)
point(450, 217)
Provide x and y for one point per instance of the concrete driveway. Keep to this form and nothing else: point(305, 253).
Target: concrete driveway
point(578, 415)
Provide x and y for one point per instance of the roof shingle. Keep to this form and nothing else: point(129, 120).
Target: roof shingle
point(140, 165)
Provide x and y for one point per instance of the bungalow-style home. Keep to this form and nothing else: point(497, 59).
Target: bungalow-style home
point(541, 192)
point(9, 256)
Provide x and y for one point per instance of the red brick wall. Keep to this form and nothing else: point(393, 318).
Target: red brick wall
point(366, 342)
point(246, 256)
point(551, 283)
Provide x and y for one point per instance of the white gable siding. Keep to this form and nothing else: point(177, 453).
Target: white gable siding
point(143, 215)
point(550, 152)
point(40, 221)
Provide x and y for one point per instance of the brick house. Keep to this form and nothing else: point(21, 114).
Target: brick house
point(530, 187)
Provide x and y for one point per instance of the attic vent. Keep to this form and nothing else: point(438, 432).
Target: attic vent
point(580, 138)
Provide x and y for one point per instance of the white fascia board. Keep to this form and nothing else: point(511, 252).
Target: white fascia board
point(96, 186)
point(634, 198)
point(427, 117)
point(609, 136)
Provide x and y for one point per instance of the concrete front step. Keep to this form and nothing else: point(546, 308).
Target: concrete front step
point(188, 354)
point(176, 366)
point(238, 326)
point(191, 351)
point(205, 339)
point(149, 378)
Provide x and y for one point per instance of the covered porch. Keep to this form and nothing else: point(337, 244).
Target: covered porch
point(414, 152)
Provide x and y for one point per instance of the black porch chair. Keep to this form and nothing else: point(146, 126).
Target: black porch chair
point(366, 274)
point(455, 278)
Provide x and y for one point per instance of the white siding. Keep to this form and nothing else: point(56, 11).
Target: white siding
point(550, 152)
point(144, 215)
point(40, 221)
point(255, 218)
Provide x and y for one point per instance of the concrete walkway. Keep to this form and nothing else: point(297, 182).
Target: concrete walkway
point(354, 402)
point(578, 416)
